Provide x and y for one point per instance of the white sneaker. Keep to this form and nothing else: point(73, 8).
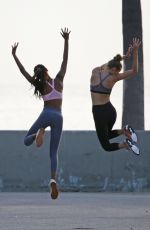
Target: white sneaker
point(133, 147)
point(53, 189)
point(130, 133)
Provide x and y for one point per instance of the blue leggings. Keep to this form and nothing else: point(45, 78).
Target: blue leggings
point(53, 118)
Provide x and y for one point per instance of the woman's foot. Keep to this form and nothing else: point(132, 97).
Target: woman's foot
point(54, 189)
point(130, 133)
point(40, 137)
point(132, 147)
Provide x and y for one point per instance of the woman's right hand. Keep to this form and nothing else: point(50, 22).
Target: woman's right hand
point(136, 43)
point(65, 33)
point(14, 48)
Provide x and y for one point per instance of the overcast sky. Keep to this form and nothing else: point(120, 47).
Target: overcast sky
point(96, 36)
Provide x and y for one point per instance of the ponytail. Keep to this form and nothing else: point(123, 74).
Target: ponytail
point(39, 80)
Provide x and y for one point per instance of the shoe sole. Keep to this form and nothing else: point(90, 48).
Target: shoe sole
point(54, 191)
point(137, 154)
point(133, 131)
point(129, 136)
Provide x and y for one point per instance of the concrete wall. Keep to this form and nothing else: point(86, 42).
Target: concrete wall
point(83, 164)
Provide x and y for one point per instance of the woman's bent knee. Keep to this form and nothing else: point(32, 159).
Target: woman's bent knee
point(107, 148)
point(27, 142)
point(110, 147)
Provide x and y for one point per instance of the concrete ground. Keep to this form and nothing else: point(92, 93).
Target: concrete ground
point(72, 211)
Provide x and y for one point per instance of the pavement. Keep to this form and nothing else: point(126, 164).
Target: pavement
point(74, 211)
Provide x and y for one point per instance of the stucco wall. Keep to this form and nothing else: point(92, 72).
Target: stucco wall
point(83, 164)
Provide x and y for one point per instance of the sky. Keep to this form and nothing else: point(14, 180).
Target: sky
point(94, 40)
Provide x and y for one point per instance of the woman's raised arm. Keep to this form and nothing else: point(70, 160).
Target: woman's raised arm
point(20, 66)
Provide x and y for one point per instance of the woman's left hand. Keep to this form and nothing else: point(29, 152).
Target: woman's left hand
point(65, 33)
point(14, 48)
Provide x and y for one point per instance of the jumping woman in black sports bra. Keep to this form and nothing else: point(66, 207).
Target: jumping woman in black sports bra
point(102, 81)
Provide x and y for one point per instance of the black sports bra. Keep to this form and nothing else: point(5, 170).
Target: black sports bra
point(100, 88)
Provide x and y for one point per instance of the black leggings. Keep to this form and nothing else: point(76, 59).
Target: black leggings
point(104, 118)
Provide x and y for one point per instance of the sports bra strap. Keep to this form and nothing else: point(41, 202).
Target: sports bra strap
point(51, 85)
point(103, 78)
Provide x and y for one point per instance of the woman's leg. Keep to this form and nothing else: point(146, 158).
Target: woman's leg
point(40, 137)
point(128, 131)
point(31, 135)
point(112, 120)
point(103, 136)
point(115, 133)
point(56, 131)
point(104, 118)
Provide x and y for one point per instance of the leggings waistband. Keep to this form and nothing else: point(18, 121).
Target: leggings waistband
point(102, 106)
point(52, 109)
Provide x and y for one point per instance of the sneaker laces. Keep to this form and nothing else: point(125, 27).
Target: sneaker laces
point(132, 147)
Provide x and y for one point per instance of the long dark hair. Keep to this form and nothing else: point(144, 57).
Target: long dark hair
point(115, 62)
point(39, 79)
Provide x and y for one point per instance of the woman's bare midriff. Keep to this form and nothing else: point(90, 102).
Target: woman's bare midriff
point(99, 99)
point(56, 103)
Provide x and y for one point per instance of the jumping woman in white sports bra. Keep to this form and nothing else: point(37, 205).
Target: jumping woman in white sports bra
point(51, 92)
point(102, 81)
